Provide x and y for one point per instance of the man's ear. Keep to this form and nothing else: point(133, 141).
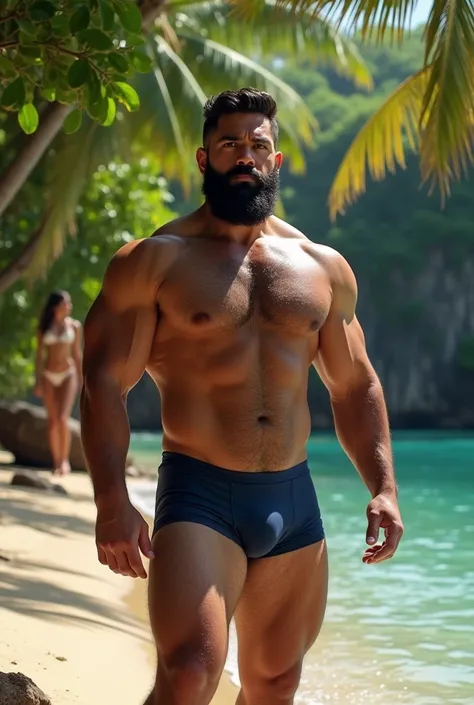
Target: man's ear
point(278, 159)
point(201, 158)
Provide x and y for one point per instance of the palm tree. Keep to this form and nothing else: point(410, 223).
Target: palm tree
point(196, 51)
point(432, 112)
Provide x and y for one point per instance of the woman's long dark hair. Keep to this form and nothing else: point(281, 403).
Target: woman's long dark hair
point(47, 316)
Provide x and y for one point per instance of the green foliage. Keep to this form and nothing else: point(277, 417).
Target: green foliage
point(81, 53)
point(121, 202)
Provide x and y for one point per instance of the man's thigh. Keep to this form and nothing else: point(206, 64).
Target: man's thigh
point(196, 579)
point(280, 613)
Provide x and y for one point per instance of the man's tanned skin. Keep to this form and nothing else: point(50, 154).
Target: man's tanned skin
point(228, 319)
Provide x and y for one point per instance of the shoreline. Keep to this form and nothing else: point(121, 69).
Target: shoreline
point(79, 631)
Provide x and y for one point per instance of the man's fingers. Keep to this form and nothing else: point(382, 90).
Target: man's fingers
point(112, 562)
point(136, 562)
point(374, 517)
point(102, 556)
point(376, 554)
point(144, 541)
point(124, 564)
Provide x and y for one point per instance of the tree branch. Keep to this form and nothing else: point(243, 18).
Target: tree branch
point(17, 267)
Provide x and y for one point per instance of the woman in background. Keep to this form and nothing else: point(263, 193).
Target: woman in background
point(58, 372)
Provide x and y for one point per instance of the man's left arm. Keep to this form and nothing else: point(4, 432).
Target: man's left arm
point(359, 410)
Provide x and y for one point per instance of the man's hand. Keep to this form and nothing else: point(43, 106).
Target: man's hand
point(120, 536)
point(383, 513)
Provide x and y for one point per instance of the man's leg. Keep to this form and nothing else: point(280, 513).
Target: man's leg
point(195, 583)
point(278, 618)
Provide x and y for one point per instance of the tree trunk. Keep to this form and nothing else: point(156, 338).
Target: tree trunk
point(35, 146)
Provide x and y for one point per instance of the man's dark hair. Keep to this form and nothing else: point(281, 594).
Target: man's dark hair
point(243, 100)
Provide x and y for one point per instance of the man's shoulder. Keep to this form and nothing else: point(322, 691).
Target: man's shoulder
point(138, 268)
point(331, 259)
point(285, 230)
point(328, 257)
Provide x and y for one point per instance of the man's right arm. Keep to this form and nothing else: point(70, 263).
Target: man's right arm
point(118, 335)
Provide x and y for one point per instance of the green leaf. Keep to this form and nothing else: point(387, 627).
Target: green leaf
point(28, 27)
point(28, 118)
point(119, 62)
point(130, 17)
point(110, 113)
point(66, 97)
point(97, 109)
point(107, 15)
point(60, 26)
point(80, 19)
point(127, 95)
point(135, 40)
point(26, 40)
point(14, 94)
point(78, 73)
point(30, 52)
point(93, 87)
point(97, 39)
point(6, 66)
point(48, 93)
point(73, 122)
point(141, 62)
point(41, 11)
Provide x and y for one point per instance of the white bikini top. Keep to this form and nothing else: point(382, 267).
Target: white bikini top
point(66, 336)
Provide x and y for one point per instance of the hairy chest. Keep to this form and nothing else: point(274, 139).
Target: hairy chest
point(280, 287)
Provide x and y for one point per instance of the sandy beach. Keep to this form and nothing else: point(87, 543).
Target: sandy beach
point(79, 631)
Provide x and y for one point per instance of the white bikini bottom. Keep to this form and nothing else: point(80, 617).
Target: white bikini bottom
point(57, 378)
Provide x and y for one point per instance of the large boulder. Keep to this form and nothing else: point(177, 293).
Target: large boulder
point(18, 689)
point(24, 432)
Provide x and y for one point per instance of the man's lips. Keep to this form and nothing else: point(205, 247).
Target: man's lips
point(243, 177)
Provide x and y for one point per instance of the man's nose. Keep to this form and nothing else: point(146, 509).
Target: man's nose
point(246, 158)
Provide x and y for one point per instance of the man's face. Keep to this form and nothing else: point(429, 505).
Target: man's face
point(240, 169)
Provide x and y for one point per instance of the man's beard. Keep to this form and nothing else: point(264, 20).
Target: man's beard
point(241, 202)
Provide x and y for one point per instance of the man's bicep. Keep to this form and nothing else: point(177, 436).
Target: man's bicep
point(117, 342)
point(342, 361)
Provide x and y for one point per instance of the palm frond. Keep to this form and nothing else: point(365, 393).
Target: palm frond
point(447, 113)
point(380, 142)
point(218, 68)
point(271, 31)
point(367, 16)
point(170, 117)
point(75, 159)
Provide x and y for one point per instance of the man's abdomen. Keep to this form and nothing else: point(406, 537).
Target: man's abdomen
point(237, 432)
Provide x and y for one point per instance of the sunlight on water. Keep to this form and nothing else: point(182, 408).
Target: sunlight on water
point(402, 631)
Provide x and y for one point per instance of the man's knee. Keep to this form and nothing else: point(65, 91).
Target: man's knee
point(272, 687)
point(190, 675)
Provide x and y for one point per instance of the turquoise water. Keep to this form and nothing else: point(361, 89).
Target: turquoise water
point(401, 631)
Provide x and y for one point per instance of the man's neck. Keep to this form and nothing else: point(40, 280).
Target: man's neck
point(240, 234)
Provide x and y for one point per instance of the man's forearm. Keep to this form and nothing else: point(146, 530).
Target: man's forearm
point(105, 434)
point(362, 428)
